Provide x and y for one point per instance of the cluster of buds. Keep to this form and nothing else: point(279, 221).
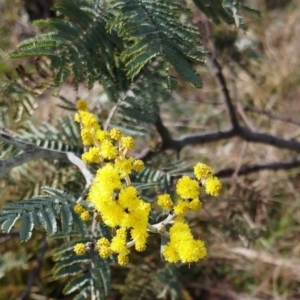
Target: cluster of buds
point(119, 205)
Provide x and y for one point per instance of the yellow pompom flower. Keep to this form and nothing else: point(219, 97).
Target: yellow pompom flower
point(123, 259)
point(81, 104)
point(139, 234)
point(213, 186)
point(115, 134)
point(103, 246)
point(140, 246)
point(128, 198)
point(165, 201)
point(118, 242)
point(127, 142)
point(170, 253)
point(80, 249)
point(102, 135)
point(191, 251)
point(85, 216)
point(181, 207)
point(107, 180)
point(118, 245)
point(137, 165)
point(108, 150)
point(124, 165)
point(180, 232)
point(112, 214)
point(195, 204)
point(182, 246)
point(103, 242)
point(86, 137)
point(202, 171)
point(78, 209)
point(104, 252)
point(89, 120)
point(179, 219)
point(139, 216)
point(187, 188)
point(91, 156)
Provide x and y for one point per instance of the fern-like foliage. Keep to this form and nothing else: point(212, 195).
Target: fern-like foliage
point(65, 136)
point(162, 176)
point(228, 11)
point(144, 283)
point(90, 274)
point(99, 41)
point(43, 212)
point(15, 103)
point(151, 29)
point(77, 45)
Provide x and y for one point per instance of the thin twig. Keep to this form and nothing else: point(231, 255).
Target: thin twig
point(274, 166)
point(32, 152)
point(35, 271)
point(110, 116)
point(272, 115)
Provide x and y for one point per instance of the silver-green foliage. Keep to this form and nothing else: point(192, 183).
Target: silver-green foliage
point(43, 212)
point(113, 41)
point(90, 273)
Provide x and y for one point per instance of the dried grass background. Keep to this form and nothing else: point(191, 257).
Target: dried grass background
point(252, 232)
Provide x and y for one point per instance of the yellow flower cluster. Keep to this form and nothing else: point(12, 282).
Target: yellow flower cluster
point(84, 214)
point(119, 205)
point(182, 246)
point(206, 175)
point(80, 249)
point(115, 199)
point(189, 190)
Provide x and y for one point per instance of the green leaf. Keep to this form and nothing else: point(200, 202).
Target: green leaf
point(73, 259)
point(9, 223)
point(49, 220)
point(69, 270)
point(27, 227)
point(66, 219)
point(76, 284)
point(182, 66)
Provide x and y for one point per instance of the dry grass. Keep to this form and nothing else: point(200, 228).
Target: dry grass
point(252, 232)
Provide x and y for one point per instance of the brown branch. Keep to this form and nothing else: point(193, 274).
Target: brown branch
point(33, 151)
point(216, 70)
point(214, 136)
point(245, 170)
point(268, 139)
point(7, 164)
point(35, 271)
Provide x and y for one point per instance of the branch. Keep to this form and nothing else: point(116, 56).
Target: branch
point(35, 271)
point(244, 170)
point(7, 164)
point(268, 139)
point(214, 136)
point(216, 70)
point(35, 152)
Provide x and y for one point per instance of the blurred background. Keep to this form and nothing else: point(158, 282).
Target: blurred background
point(252, 231)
